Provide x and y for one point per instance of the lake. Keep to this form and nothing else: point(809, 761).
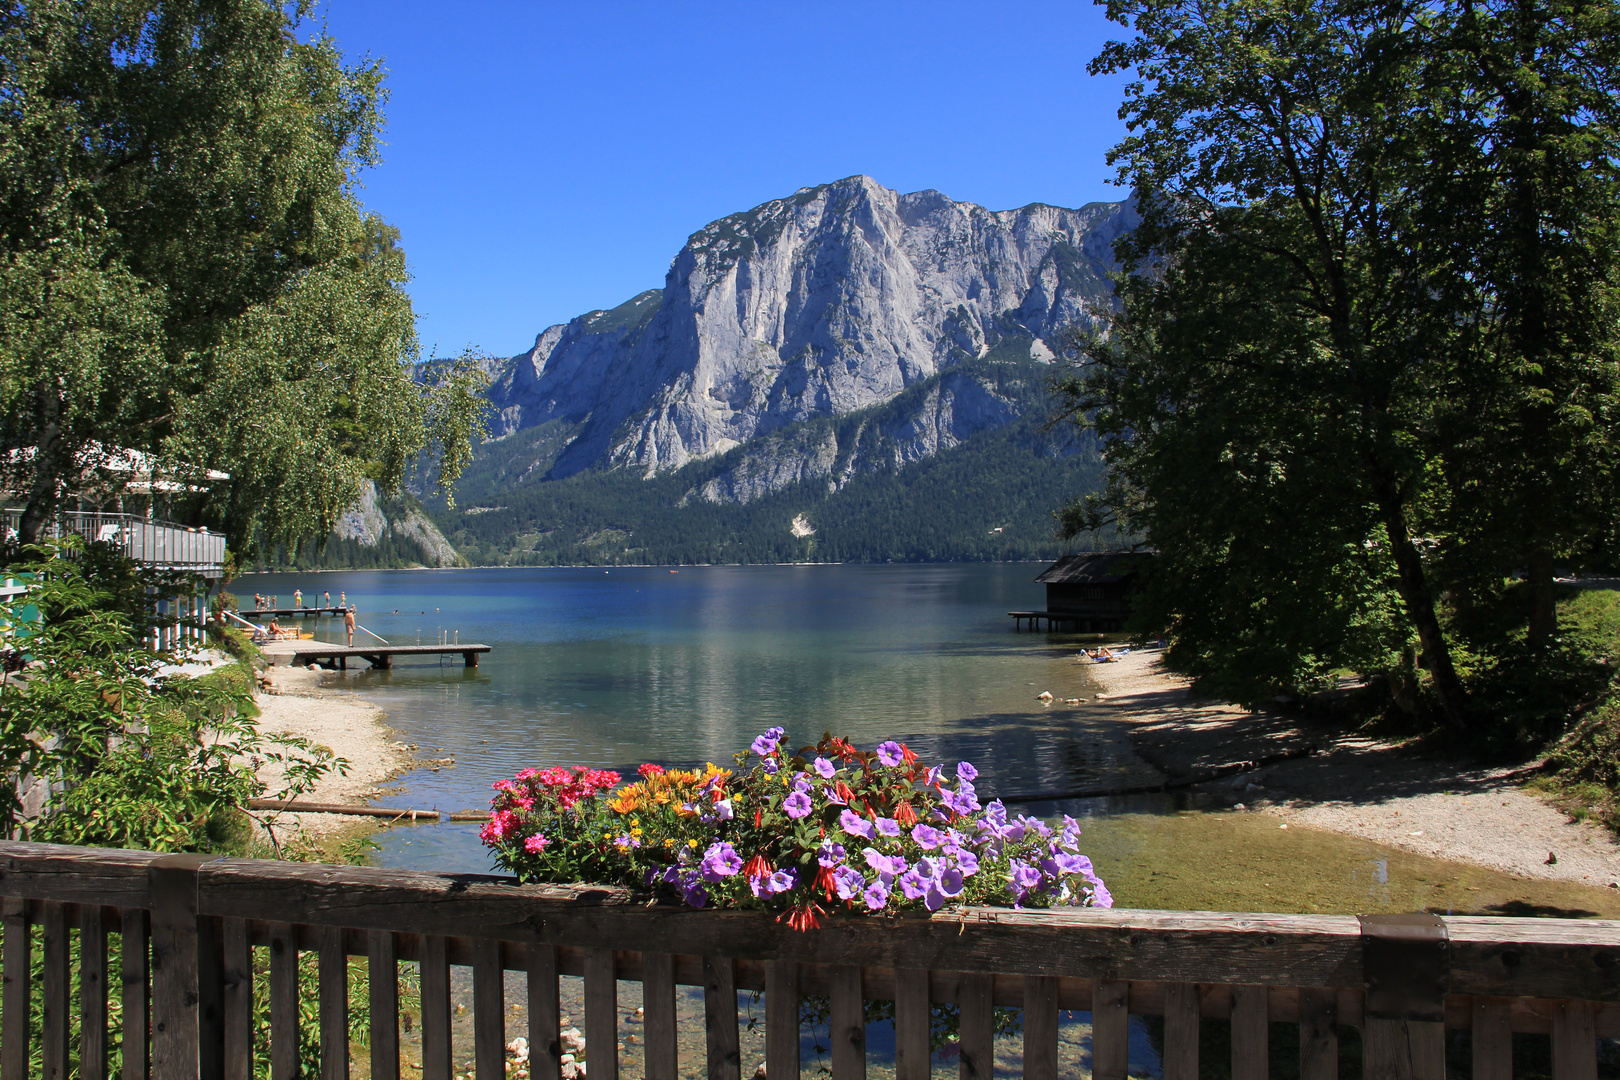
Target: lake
point(610, 668)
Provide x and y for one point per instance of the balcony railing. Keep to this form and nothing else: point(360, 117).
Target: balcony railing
point(195, 929)
point(153, 543)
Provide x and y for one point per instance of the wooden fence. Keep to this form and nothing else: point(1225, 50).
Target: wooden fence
point(190, 925)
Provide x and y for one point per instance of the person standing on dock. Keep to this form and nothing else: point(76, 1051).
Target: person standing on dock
point(326, 599)
point(348, 624)
point(298, 598)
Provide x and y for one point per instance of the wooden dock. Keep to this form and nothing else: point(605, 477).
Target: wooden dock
point(1079, 622)
point(290, 612)
point(378, 656)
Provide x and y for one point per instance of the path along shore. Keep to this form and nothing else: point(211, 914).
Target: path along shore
point(1349, 783)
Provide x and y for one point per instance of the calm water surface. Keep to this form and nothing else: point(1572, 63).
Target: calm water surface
point(612, 668)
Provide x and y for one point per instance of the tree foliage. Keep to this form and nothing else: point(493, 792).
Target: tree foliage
point(185, 268)
point(1365, 367)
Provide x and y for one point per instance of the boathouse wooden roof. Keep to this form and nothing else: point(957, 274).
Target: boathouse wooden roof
point(1093, 568)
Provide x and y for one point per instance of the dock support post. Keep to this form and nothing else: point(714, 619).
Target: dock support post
point(470, 659)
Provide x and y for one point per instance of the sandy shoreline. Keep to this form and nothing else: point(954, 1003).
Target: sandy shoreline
point(1351, 784)
point(351, 728)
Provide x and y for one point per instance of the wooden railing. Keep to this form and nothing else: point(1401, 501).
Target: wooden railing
point(193, 927)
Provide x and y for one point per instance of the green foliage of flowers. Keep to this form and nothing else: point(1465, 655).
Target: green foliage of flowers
point(828, 828)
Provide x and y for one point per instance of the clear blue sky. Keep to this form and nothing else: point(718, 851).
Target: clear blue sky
point(547, 159)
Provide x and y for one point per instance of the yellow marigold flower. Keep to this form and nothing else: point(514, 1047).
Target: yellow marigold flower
point(691, 843)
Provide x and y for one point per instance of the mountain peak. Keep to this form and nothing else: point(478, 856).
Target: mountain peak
point(833, 299)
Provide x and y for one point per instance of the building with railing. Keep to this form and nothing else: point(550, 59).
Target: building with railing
point(162, 545)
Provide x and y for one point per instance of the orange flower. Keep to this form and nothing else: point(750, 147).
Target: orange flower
point(905, 815)
point(757, 867)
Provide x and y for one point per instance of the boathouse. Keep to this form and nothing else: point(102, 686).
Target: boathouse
point(1092, 590)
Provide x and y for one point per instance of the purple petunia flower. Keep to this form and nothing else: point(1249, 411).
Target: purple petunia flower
point(766, 744)
point(770, 765)
point(1034, 825)
point(723, 810)
point(876, 896)
point(769, 885)
point(695, 895)
point(966, 771)
point(855, 825)
point(830, 853)
point(935, 775)
point(887, 826)
point(996, 812)
point(848, 882)
point(967, 862)
point(824, 768)
point(797, 805)
point(720, 861)
point(884, 864)
point(913, 885)
point(927, 836)
point(890, 754)
point(1024, 876)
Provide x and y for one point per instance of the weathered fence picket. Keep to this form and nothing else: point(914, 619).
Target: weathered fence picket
point(190, 928)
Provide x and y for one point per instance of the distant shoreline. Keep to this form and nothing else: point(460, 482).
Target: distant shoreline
point(635, 566)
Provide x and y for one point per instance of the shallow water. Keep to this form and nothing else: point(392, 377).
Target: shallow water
point(612, 668)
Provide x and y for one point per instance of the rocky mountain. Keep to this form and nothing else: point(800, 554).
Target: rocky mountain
point(834, 299)
point(820, 347)
point(372, 522)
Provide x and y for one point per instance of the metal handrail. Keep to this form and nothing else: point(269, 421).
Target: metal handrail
point(151, 541)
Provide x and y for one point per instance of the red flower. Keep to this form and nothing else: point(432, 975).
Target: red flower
point(844, 791)
point(649, 770)
point(907, 753)
point(905, 815)
point(802, 917)
point(757, 867)
point(759, 817)
point(824, 882)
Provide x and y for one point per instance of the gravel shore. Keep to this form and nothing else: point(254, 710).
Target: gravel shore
point(295, 704)
point(1445, 807)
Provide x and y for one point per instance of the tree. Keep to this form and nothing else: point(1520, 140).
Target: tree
point(178, 225)
point(1530, 227)
point(1316, 302)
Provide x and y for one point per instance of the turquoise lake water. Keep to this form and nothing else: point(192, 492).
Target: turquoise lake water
point(612, 668)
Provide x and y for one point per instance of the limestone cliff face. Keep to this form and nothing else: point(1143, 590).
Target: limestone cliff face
point(368, 521)
point(835, 299)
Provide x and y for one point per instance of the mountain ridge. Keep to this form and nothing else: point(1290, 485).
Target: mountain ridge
point(801, 350)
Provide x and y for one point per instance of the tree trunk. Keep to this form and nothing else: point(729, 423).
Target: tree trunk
point(1543, 598)
point(42, 495)
point(1414, 588)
